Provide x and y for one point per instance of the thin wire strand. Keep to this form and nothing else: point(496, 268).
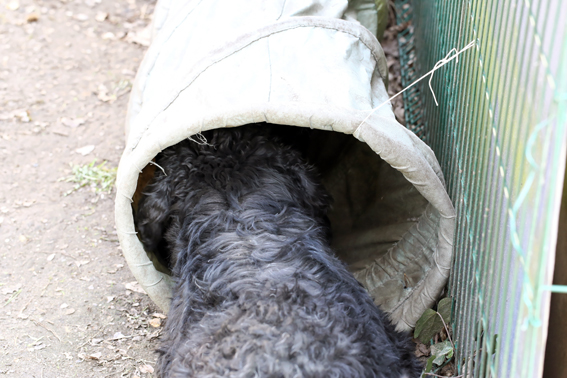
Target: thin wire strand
point(438, 65)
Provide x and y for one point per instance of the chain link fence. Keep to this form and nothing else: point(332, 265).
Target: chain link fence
point(499, 133)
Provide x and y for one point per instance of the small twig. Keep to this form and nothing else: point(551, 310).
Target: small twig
point(24, 263)
point(446, 329)
point(443, 376)
point(119, 338)
point(141, 360)
point(50, 330)
point(109, 240)
point(45, 288)
point(35, 341)
point(14, 296)
point(91, 337)
point(62, 253)
point(24, 308)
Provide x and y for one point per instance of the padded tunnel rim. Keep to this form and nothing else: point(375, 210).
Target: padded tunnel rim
point(410, 156)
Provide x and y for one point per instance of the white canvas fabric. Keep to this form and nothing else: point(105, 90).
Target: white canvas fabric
point(308, 63)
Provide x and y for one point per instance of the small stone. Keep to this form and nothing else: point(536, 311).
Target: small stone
point(32, 17)
point(101, 16)
point(85, 150)
point(13, 5)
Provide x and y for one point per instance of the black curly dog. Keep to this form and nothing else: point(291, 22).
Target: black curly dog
point(242, 222)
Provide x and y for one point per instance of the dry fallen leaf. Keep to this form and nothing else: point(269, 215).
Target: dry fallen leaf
point(22, 116)
point(11, 290)
point(448, 370)
point(28, 203)
point(422, 350)
point(158, 315)
point(141, 37)
point(128, 72)
point(60, 132)
point(95, 356)
point(85, 150)
point(153, 335)
point(82, 262)
point(23, 203)
point(134, 286)
point(117, 336)
point(72, 122)
point(146, 369)
point(103, 95)
point(155, 322)
point(37, 347)
point(51, 257)
point(70, 311)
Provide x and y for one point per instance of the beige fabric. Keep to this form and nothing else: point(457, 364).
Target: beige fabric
point(224, 63)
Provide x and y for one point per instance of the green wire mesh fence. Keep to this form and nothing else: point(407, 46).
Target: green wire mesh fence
point(499, 133)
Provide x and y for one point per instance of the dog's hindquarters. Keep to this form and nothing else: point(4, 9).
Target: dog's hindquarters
point(258, 290)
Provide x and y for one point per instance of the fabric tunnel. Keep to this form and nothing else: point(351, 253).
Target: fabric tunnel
point(317, 67)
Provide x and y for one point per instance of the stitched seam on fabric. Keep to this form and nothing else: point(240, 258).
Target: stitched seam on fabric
point(291, 27)
point(150, 68)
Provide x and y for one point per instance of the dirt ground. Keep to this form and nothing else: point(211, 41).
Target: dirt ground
point(67, 304)
point(65, 73)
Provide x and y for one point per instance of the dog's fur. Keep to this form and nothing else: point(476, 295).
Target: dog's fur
point(242, 222)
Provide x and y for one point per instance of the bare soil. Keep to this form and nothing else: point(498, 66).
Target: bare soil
point(65, 74)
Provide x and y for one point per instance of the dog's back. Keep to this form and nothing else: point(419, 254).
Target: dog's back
point(241, 219)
